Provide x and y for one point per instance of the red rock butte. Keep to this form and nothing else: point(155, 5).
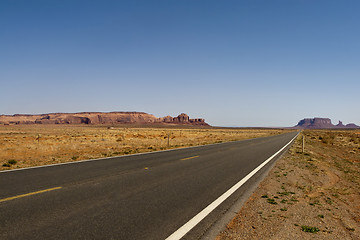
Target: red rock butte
point(98, 118)
point(322, 123)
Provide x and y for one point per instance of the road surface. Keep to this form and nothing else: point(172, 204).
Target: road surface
point(144, 196)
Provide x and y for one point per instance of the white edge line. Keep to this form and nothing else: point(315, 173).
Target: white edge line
point(143, 153)
point(178, 234)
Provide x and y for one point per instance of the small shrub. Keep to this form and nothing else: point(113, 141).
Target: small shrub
point(12, 161)
point(271, 201)
point(74, 158)
point(285, 193)
point(309, 229)
point(316, 202)
point(6, 165)
point(321, 216)
point(283, 209)
point(264, 196)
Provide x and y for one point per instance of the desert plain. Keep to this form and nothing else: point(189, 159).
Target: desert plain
point(309, 195)
point(34, 145)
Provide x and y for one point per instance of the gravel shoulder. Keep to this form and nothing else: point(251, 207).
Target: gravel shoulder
point(310, 195)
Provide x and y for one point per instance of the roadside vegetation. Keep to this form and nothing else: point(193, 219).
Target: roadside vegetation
point(34, 145)
point(307, 195)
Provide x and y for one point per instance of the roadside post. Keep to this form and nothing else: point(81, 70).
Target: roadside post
point(168, 139)
point(303, 144)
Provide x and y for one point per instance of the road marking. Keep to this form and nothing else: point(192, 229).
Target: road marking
point(178, 234)
point(189, 158)
point(28, 194)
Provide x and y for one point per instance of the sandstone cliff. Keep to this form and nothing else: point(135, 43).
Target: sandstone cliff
point(321, 123)
point(98, 118)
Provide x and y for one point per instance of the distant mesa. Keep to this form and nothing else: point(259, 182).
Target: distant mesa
point(99, 118)
point(322, 123)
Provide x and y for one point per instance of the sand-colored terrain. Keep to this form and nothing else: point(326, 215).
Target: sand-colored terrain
point(34, 145)
point(310, 195)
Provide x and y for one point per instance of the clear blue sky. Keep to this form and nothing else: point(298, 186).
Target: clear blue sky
point(234, 63)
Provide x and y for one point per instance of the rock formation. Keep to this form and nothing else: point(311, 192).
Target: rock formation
point(98, 118)
point(340, 125)
point(321, 123)
point(183, 119)
point(351, 125)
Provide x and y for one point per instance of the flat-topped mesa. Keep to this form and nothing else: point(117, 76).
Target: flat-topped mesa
point(321, 123)
point(351, 125)
point(315, 123)
point(98, 118)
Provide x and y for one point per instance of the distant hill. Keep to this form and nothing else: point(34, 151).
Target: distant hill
point(322, 123)
point(99, 118)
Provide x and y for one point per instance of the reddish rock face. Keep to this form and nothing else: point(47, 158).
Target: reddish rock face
point(351, 125)
point(182, 118)
point(98, 118)
point(321, 123)
point(340, 125)
point(167, 119)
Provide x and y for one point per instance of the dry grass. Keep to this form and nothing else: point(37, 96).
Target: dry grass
point(34, 145)
point(315, 194)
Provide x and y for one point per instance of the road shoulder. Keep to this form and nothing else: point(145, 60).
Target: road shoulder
point(309, 195)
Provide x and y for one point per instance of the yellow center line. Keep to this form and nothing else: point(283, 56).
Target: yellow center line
point(189, 158)
point(28, 194)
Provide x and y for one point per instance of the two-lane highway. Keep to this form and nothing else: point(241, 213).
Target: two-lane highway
point(143, 196)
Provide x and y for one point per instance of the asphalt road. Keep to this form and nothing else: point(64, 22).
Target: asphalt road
point(145, 196)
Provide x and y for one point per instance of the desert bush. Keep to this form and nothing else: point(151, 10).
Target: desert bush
point(309, 229)
point(271, 201)
point(12, 161)
point(9, 163)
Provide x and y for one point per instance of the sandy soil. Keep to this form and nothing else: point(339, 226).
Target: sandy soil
point(310, 195)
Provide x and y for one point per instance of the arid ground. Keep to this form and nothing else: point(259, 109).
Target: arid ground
point(307, 195)
point(34, 145)
point(310, 195)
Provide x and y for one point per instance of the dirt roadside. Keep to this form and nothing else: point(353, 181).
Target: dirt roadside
point(310, 195)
